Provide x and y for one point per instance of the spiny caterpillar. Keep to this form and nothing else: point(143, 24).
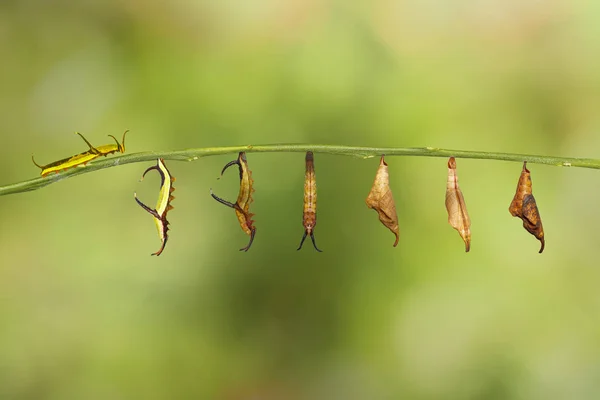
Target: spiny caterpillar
point(163, 205)
point(309, 216)
point(82, 158)
point(242, 204)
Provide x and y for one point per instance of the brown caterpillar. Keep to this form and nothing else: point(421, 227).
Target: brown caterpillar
point(309, 218)
point(242, 204)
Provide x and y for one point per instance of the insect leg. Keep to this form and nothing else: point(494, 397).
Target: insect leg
point(162, 175)
point(302, 241)
point(312, 237)
point(92, 148)
point(220, 200)
point(122, 147)
point(162, 247)
point(145, 207)
point(36, 164)
point(117, 142)
point(253, 232)
point(229, 164)
point(149, 169)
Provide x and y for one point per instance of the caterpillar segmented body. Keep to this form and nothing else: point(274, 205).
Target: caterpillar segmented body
point(242, 204)
point(82, 158)
point(309, 216)
point(163, 205)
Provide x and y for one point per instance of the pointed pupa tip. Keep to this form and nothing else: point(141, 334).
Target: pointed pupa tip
point(397, 239)
point(452, 163)
point(382, 161)
point(525, 167)
point(543, 245)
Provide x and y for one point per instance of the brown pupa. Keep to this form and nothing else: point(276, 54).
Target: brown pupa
point(524, 206)
point(458, 217)
point(381, 200)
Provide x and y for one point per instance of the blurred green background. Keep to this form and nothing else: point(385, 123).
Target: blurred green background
point(86, 313)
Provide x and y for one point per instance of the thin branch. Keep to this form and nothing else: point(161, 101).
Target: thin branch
point(361, 152)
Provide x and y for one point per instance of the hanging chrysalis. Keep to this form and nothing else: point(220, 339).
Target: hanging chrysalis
point(381, 200)
point(458, 217)
point(242, 204)
point(163, 206)
point(309, 216)
point(523, 206)
point(82, 158)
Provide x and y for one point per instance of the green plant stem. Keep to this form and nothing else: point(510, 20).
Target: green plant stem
point(361, 152)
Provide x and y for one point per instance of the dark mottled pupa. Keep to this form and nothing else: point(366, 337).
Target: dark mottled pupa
point(242, 204)
point(524, 206)
point(163, 205)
